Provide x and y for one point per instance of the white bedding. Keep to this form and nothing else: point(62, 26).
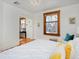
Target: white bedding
point(75, 48)
point(38, 49)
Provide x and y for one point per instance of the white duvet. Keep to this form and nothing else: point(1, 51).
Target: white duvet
point(38, 49)
point(75, 48)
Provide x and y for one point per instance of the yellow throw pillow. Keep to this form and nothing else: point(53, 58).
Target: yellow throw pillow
point(56, 56)
point(68, 50)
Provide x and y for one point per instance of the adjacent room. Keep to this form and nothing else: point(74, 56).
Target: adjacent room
point(39, 29)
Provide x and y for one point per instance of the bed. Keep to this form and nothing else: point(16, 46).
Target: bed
point(37, 49)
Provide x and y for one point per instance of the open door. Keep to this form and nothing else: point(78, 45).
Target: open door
point(22, 28)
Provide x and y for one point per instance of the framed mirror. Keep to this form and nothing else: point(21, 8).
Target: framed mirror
point(52, 23)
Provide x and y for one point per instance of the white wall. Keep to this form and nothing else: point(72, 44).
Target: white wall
point(29, 27)
point(66, 12)
point(1, 23)
point(10, 25)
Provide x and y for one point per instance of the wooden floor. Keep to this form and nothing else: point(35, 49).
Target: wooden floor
point(24, 40)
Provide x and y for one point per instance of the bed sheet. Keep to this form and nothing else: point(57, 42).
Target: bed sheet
point(38, 49)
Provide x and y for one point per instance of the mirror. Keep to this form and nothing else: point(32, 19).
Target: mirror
point(52, 23)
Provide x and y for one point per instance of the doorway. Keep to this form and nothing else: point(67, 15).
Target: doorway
point(22, 28)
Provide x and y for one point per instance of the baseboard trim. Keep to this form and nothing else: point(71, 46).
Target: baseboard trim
point(7, 49)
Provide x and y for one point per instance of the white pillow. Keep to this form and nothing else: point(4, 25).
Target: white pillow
point(75, 48)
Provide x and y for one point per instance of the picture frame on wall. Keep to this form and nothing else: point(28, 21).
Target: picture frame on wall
point(72, 20)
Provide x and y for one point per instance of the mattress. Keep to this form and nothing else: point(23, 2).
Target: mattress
point(37, 49)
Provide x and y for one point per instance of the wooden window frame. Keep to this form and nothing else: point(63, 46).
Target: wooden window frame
point(49, 13)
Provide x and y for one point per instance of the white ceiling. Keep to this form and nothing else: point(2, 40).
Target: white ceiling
point(42, 5)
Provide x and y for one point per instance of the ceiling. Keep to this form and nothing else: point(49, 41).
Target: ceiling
point(34, 6)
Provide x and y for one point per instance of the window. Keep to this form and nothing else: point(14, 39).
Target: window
point(52, 23)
